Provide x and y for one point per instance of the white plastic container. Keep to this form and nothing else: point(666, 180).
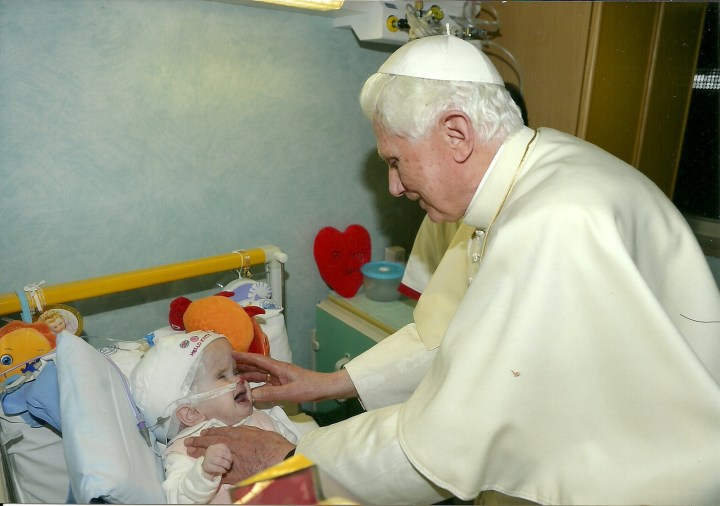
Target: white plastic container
point(381, 280)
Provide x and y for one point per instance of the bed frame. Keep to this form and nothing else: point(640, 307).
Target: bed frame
point(271, 256)
point(11, 303)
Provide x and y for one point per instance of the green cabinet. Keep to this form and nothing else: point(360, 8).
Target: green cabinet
point(345, 328)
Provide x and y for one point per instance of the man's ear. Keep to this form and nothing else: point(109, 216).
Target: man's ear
point(460, 134)
point(188, 415)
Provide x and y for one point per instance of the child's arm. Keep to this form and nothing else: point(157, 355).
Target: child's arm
point(186, 482)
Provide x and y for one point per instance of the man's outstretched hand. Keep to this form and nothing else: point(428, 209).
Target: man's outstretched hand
point(253, 450)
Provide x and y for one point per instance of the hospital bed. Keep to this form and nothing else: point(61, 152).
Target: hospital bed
point(98, 454)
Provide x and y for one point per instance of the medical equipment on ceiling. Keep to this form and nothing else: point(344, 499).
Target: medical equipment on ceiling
point(393, 22)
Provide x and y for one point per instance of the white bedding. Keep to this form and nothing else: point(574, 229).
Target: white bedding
point(101, 441)
point(36, 462)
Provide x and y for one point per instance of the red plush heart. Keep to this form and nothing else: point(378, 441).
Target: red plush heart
point(339, 256)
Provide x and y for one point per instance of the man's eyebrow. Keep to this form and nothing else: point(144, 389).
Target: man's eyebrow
point(386, 157)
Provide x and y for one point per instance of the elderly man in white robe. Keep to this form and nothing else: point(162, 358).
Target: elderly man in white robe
point(561, 351)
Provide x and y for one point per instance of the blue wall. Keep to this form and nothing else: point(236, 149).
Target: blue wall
point(136, 133)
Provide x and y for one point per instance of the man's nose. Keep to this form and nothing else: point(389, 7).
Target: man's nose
point(395, 185)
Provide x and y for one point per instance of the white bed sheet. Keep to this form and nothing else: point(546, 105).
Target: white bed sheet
point(36, 459)
point(35, 466)
point(35, 462)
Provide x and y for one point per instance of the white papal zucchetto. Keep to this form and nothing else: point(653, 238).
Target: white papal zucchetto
point(442, 57)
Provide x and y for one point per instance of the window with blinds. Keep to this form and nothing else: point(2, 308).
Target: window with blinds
point(697, 188)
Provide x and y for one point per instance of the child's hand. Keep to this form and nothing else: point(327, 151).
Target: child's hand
point(218, 460)
point(253, 449)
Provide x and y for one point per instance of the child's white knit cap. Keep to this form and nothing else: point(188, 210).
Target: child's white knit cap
point(163, 377)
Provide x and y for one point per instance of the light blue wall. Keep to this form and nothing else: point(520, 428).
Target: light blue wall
point(136, 133)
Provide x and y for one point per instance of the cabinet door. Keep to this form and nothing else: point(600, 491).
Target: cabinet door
point(642, 60)
point(339, 338)
point(549, 41)
point(618, 74)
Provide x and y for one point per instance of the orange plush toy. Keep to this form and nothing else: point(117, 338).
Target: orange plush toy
point(224, 316)
point(21, 342)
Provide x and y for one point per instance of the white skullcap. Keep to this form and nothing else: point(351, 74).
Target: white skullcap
point(442, 57)
point(164, 375)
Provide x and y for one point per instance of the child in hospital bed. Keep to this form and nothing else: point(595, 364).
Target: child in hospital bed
point(186, 383)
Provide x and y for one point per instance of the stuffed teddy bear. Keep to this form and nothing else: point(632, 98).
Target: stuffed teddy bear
point(21, 342)
point(222, 315)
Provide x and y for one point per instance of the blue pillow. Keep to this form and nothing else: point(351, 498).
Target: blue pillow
point(15, 404)
point(37, 402)
point(43, 397)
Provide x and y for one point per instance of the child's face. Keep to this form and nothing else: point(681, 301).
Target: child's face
point(218, 370)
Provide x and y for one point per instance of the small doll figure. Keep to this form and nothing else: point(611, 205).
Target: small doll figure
point(54, 320)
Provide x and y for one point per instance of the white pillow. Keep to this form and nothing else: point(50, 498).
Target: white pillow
point(125, 354)
point(274, 328)
point(106, 456)
point(249, 292)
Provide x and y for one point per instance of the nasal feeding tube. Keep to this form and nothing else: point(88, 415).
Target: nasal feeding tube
point(211, 394)
point(194, 399)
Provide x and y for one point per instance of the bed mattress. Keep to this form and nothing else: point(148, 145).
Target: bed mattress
point(36, 454)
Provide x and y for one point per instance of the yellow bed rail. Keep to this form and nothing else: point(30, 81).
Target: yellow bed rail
point(114, 283)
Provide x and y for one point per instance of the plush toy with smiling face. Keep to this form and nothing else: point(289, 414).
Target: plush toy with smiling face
point(20, 343)
point(223, 315)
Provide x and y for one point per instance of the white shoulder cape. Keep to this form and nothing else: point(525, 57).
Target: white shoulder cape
point(569, 370)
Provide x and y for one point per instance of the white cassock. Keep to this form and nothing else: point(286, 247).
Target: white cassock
point(569, 371)
point(431, 243)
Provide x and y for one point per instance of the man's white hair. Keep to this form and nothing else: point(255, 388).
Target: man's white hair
point(410, 106)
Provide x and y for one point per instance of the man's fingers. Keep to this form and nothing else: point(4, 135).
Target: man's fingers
point(221, 435)
point(254, 362)
point(252, 359)
point(270, 392)
point(255, 377)
point(205, 440)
